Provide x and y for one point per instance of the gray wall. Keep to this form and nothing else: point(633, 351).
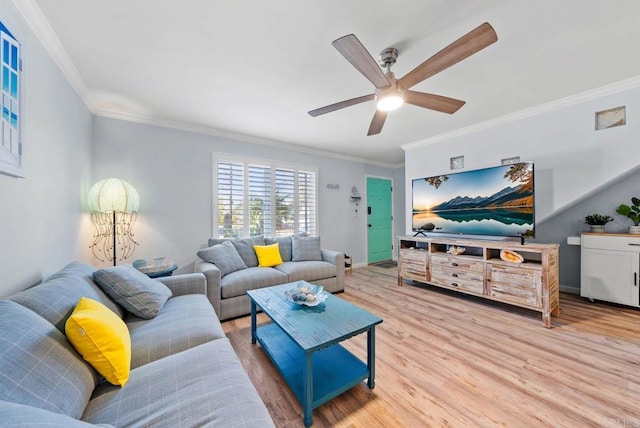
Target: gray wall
point(172, 171)
point(570, 222)
point(41, 215)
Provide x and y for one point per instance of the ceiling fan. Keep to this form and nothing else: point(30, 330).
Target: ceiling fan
point(391, 93)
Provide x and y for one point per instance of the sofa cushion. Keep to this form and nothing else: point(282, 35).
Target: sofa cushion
point(102, 339)
point(237, 283)
point(172, 331)
point(38, 366)
point(284, 244)
point(133, 290)
point(19, 415)
point(224, 256)
point(204, 386)
point(57, 296)
point(244, 246)
point(305, 248)
point(268, 255)
point(309, 270)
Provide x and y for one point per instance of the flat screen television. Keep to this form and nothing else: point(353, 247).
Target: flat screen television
point(496, 201)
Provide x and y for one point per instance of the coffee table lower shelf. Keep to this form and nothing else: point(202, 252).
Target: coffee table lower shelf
point(335, 370)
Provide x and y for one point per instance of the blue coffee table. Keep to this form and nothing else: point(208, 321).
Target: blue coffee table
point(303, 344)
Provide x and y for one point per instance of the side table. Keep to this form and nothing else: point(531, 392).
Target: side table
point(155, 271)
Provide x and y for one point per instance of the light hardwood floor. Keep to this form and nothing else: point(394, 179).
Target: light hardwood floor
point(445, 359)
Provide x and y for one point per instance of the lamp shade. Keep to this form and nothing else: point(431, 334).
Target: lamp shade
point(113, 194)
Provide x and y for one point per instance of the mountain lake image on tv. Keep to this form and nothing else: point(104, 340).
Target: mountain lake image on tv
point(497, 201)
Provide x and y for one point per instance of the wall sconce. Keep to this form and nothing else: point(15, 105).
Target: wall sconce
point(355, 197)
point(113, 204)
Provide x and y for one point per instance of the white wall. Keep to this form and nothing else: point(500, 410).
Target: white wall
point(41, 215)
point(172, 171)
point(571, 158)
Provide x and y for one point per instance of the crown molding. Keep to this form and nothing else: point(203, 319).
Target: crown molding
point(610, 89)
point(43, 31)
point(245, 138)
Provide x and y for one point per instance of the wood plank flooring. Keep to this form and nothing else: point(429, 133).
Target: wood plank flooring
point(448, 360)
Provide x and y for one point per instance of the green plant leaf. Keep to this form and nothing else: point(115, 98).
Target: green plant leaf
point(624, 209)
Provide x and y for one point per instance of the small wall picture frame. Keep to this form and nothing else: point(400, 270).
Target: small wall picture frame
point(509, 161)
point(611, 118)
point(456, 162)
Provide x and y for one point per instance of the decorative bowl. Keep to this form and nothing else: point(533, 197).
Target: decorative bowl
point(306, 294)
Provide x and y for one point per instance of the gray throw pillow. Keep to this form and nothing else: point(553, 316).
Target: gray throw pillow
point(284, 244)
point(244, 246)
point(38, 365)
point(224, 256)
point(246, 251)
point(305, 248)
point(133, 290)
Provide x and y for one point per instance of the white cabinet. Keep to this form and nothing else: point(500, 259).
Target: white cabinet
point(610, 266)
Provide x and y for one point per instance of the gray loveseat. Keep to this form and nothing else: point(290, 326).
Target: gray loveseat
point(227, 292)
point(184, 372)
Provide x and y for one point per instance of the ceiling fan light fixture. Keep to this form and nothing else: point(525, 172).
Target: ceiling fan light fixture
point(390, 102)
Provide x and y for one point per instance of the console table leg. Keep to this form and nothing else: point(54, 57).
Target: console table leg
point(307, 389)
point(253, 322)
point(371, 357)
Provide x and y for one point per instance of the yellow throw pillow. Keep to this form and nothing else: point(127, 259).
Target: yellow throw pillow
point(268, 255)
point(102, 339)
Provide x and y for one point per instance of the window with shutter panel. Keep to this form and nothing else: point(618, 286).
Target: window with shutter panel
point(258, 197)
point(230, 199)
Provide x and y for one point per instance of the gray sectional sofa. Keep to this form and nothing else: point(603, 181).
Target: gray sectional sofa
point(184, 372)
point(301, 261)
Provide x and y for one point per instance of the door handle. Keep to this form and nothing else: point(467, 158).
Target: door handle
point(368, 210)
point(635, 279)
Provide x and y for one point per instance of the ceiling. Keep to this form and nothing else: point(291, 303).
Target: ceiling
point(253, 69)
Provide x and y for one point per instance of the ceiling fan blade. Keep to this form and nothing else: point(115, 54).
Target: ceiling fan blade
point(433, 102)
point(341, 104)
point(464, 47)
point(377, 123)
point(351, 48)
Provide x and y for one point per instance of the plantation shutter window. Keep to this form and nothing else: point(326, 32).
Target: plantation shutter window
point(257, 197)
point(307, 202)
point(260, 205)
point(284, 191)
point(230, 201)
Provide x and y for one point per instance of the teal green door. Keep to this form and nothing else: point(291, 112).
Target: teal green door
point(379, 218)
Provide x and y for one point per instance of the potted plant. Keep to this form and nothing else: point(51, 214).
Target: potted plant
point(597, 222)
point(633, 212)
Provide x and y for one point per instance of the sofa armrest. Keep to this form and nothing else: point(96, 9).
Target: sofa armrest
point(337, 258)
point(189, 283)
point(213, 276)
point(334, 257)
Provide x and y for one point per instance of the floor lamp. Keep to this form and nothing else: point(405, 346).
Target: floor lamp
point(113, 204)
